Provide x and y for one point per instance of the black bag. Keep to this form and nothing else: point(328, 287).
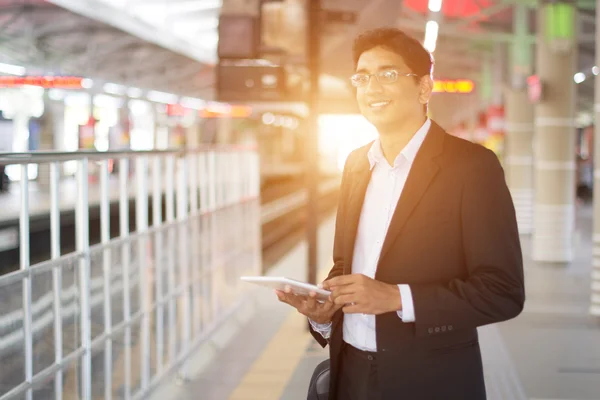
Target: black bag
point(318, 389)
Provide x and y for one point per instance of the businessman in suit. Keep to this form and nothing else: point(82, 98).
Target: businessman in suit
point(426, 244)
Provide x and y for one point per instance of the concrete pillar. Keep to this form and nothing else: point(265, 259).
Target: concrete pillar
point(595, 300)
point(519, 156)
point(554, 146)
point(519, 114)
point(47, 140)
point(498, 74)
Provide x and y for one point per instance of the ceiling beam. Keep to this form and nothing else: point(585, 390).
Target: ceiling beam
point(114, 16)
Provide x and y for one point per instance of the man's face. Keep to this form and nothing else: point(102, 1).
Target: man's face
point(387, 104)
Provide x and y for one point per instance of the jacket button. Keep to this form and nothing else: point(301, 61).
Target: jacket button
point(450, 327)
point(430, 330)
point(444, 328)
point(437, 328)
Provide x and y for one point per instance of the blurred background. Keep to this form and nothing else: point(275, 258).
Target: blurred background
point(154, 151)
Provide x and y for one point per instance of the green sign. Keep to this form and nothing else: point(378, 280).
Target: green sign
point(559, 21)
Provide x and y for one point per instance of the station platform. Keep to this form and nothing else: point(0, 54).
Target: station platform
point(550, 351)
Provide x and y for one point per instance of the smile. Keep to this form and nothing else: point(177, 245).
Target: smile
point(379, 104)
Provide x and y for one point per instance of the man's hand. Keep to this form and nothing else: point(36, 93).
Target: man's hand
point(358, 293)
point(321, 313)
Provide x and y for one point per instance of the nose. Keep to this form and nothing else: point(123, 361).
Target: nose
point(373, 86)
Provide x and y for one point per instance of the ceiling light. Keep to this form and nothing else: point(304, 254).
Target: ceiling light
point(87, 83)
point(12, 69)
point(595, 70)
point(579, 77)
point(193, 103)
point(431, 33)
point(435, 5)
point(113, 88)
point(161, 97)
point(134, 92)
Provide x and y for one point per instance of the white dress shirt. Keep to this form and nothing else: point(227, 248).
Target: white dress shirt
point(382, 195)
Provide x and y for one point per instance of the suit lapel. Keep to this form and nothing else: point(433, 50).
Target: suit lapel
point(359, 179)
point(422, 172)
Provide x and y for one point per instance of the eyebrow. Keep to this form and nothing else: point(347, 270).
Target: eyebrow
point(390, 66)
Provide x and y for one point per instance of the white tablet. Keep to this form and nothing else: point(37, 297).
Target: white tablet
point(299, 288)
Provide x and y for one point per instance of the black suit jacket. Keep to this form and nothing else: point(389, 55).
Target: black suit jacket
point(453, 238)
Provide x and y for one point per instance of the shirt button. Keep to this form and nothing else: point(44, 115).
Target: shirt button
point(370, 357)
point(430, 330)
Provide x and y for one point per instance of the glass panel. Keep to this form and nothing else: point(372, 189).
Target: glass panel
point(42, 302)
point(12, 367)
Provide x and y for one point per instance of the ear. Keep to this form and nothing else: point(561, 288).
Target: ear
point(425, 89)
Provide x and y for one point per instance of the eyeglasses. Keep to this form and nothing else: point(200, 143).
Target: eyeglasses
point(384, 77)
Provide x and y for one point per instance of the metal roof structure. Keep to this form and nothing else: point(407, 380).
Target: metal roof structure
point(170, 45)
point(47, 38)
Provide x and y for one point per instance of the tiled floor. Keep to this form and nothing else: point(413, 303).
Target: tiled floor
point(551, 351)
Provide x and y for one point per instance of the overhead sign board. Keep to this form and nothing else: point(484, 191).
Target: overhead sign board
point(460, 86)
point(47, 82)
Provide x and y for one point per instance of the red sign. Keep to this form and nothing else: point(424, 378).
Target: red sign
point(455, 9)
point(47, 82)
point(534, 88)
point(176, 110)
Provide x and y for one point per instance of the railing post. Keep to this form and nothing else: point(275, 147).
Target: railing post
point(25, 261)
point(194, 263)
point(170, 194)
point(204, 237)
point(125, 260)
point(184, 276)
point(56, 274)
point(82, 245)
point(158, 256)
point(107, 273)
point(141, 215)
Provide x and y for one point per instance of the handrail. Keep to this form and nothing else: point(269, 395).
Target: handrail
point(269, 212)
point(37, 157)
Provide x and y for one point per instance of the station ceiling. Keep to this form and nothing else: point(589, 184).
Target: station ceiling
point(170, 45)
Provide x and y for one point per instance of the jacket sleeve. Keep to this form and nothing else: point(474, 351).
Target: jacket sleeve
point(494, 288)
point(338, 242)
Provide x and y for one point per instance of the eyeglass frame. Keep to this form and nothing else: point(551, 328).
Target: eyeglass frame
point(376, 75)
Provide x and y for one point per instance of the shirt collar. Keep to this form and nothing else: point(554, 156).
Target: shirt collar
point(409, 152)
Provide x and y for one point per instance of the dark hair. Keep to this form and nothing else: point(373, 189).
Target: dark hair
point(412, 52)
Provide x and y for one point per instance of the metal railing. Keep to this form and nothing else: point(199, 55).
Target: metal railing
point(110, 320)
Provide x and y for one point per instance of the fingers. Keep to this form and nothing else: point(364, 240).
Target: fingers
point(352, 309)
point(344, 290)
point(289, 298)
point(311, 301)
point(345, 299)
point(343, 280)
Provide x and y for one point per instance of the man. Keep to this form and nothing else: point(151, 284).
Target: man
point(426, 244)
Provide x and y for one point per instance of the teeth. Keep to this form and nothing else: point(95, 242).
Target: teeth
point(379, 104)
